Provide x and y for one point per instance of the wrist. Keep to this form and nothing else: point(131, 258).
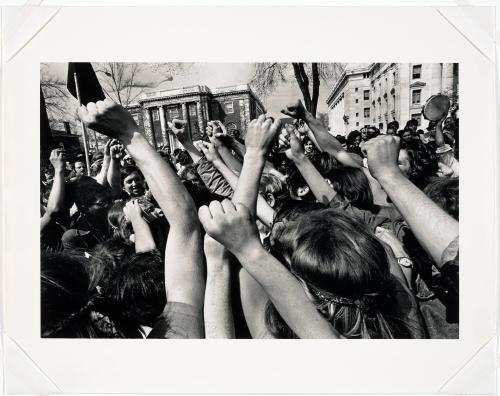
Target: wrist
point(389, 174)
point(250, 253)
point(255, 155)
point(59, 171)
point(299, 159)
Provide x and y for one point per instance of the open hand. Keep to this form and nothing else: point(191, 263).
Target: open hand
point(295, 110)
point(289, 140)
point(260, 135)
point(210, 152)
point(108, 118)
point(230, 224)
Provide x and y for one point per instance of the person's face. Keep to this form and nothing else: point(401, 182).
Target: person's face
point(391, 131)
point(413, 127)
point(133, 184)
point(364, 135)
point(79, 168)
point(407, 136)
point(404, 162)
point(357, 141)
point(308, 147)
point(370, 133)
point(99, 208)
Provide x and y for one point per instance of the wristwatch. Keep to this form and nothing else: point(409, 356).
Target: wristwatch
point(405, 262)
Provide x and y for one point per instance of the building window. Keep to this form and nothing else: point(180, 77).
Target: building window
point(367, 112)
point(417, 71)
point(357, 114)
point(155, 114)
point(357, 123)
point(173, 112)
point(357, 100)
point(355, 89)
point(415, 96)
point(229, 107)
point(416, 116)
point(366, 94)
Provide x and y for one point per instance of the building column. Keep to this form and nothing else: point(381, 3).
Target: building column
point(148, 131)
point(447, 78)
point(201, 118)
point(163, 125)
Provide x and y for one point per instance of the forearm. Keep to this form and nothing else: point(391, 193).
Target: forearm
point(248, 183)
point(233, 163)
point(114, 178)
point(217, 311)
point(439, 135)
point(102, 177)
point(264, 212)
point(167, 189)
point(432, 227)
point(192, 150)
point(287, 295)
point(319, 187)
point(144, 241)
point(55, 203)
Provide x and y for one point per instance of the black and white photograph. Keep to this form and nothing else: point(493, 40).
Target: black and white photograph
point(300, 200)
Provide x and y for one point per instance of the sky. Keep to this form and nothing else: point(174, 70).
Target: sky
point(216, 75)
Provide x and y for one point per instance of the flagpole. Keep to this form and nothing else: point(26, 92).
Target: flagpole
point(85, 142)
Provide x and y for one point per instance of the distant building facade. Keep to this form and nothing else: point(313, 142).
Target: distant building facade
point(378, 93)
point(235, 106)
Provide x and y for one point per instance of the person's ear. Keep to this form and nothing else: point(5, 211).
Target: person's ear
point(303, 191)
point(270, 199)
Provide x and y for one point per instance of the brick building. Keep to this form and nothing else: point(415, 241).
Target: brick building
point(378, 93)
point(235, 106)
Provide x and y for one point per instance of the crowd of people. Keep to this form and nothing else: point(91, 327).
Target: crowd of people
point(293, 233)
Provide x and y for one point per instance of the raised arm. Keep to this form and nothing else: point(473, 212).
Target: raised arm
point(233, 225)
point(144, 241)
point(318, 185)
point(439, 132)
point(431, 225)
point(114, 176)
point(178, 128)
point(217, 311)
point(101, 178)
point(55, 204)
point(324, 139)
point(184, 267)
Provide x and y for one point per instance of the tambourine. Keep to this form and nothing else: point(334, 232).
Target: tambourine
point(436, 107)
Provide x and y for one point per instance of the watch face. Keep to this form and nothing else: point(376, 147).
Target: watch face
point(405, 262)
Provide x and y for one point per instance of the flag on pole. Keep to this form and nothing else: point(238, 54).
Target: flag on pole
point(46, 141)
point(89, 88)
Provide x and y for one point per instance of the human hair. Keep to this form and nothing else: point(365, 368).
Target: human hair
point(119, 226)
point(272, 187)
point(295, 181)
point(106, 257)
point(70, 301)
point(84, 190)
point(423, 166)
point(393, 125)
point(344, 271)
point(444, 192)
point(353, 185)
point(138, 288)
point(341, 139)
point(183, 158)
point(352, 137)
point(323, 162)
point(411, 122)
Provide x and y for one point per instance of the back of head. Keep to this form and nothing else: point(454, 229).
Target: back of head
point(324, 162)
point(353, 185)
point(69, 299)
point(138, 288)
point(344, 270)
point(119, 226)
point(444, 192)
point(273, 189)
point(84, 191)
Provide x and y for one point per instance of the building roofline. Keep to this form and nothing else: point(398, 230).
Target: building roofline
point(343, 77)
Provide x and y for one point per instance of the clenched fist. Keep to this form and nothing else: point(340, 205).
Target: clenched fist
point(231, 225)
point(178, 128)
point(295, 110)
point(382, 155)
point(108, 118)
point(260, 135)
point(291, 143)
point(58, 159)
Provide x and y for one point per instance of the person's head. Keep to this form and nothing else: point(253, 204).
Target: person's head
point(138, 288)
point(354, 139)
point(69, 300)
point(120, 227)
point(272, 189)
point(405, 136)
point(372, 132)
point(353, 185)
point(133, 181)
point(392, 128)
point(308, 146)
point(79, 167)
point(297, 185)
point(91, 198)
point(364, 134)
point(444, 192)
point(236, 134)
point(183, 158)
point(341, 139)
point(344, 270)
point(324, 162)
point(412, 125)
point(423, 166)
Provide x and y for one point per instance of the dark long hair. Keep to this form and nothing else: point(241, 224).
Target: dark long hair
point(344, 270)
point(353, 185)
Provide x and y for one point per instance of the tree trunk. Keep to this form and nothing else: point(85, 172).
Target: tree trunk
point(315, 89)
point(303, 82)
